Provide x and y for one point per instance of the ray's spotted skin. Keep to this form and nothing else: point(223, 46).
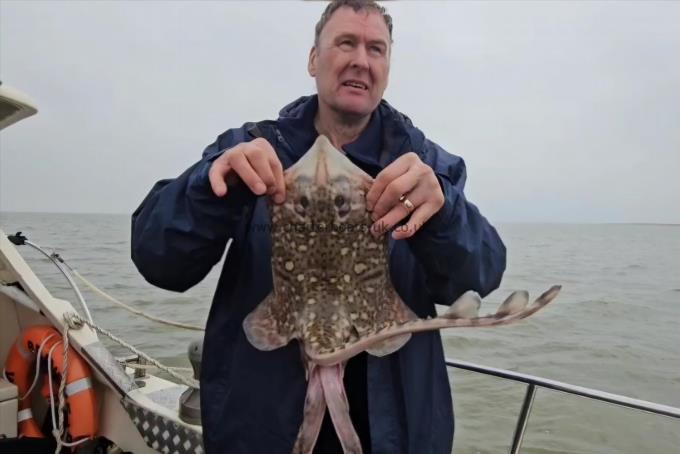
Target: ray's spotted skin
point(332, 289)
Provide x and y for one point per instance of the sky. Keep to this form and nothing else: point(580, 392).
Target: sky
point(562, 111)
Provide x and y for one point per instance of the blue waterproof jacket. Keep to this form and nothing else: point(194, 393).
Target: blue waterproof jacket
point(251, 400)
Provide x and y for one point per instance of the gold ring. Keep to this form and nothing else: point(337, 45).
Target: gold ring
point(407, 203)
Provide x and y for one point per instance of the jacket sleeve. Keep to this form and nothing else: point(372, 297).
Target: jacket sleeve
point(180, 230)
point(458, 248)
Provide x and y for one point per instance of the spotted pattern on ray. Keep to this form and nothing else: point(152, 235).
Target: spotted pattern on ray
point(328, 268)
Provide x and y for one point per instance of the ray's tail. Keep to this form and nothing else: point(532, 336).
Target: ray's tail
point(338, 407)
point(326, 388)
point(315, 407)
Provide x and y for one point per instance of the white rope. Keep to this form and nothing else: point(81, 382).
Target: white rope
point(57, 431)
point(75, 321)
point(132, 309)
point(37, 366)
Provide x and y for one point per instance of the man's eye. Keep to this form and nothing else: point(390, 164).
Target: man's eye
point(346, 44)
point(377, 50)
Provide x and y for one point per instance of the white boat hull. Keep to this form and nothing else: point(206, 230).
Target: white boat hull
point(140, 415)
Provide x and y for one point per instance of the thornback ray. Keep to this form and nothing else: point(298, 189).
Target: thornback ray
point(332, 290)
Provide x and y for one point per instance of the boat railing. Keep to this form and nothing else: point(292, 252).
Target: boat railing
point(533, 383)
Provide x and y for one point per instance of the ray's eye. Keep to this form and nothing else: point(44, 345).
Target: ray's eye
point(301, 205)
point(342, 205)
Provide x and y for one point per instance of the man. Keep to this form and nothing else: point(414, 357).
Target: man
point(251, 400)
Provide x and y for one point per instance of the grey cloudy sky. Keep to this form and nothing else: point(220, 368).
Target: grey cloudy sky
point(563, 111)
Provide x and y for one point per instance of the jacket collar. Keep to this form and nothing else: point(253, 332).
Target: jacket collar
point(389, 134)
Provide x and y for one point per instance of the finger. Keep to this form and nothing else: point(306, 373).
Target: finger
point(259, 161)
point(418, 218)
point(384, 178)
point(387, 222)
point(277, 170)
point(399, 212)
point(419, 196)
point(217, 177)
point(242, 167)
point(392, 192)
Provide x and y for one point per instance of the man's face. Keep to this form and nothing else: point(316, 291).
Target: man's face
point(352, 61)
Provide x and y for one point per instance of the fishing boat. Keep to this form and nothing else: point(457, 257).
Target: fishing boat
point(63, 390)
point(106, 403)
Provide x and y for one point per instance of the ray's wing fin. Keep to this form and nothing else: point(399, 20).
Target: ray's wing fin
point(266, 327)
point(400, 313)
point(389, 345)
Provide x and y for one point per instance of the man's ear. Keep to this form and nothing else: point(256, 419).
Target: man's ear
point(311, 65)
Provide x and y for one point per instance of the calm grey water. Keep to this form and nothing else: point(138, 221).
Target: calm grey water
point(614, 327)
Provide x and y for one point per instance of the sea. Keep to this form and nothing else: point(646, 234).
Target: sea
point(614, 327)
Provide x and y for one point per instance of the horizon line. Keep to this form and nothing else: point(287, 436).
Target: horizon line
point(93, 213)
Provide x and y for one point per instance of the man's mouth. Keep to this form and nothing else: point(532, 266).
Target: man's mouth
point(355, 84)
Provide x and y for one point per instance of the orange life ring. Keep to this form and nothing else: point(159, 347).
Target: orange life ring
point(80, 396)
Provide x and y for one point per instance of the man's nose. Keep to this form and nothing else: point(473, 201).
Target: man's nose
point(360, 58)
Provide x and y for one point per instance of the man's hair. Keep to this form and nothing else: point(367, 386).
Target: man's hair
point(356, 5)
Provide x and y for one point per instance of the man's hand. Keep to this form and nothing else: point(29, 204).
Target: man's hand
point(407, 187)
point(255, 163)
